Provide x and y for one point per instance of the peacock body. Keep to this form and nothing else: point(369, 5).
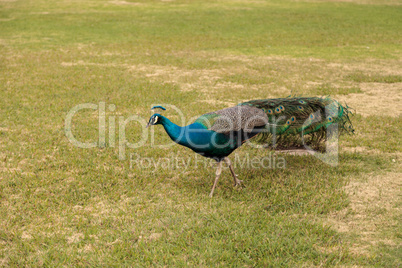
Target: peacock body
point(284, 120)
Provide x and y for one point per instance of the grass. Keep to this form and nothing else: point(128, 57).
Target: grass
point(62, 205)
point(376, 78)
point(328, 89)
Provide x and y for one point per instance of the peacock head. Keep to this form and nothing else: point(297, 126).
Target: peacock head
point(154, 120)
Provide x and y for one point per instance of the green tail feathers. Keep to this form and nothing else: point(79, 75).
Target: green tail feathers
point(294, 120)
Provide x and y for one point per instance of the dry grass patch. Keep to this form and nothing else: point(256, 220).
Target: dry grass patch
point(237, 75)
point(372, 213)
point(361, 149)
point(377, 99)
point(124, 3)
point(370, 66)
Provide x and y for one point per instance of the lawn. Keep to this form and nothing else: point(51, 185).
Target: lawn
point(146, 202)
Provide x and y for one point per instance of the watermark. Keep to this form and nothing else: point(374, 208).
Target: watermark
point(183, 163)
point(112, 131)
point(123, 143)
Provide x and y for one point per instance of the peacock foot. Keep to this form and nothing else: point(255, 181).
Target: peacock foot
point(238, 182)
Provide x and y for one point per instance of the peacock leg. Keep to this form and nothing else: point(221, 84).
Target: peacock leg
point(218, 173)
point(236, 180)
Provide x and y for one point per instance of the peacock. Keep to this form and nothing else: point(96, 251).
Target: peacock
point(284, 120)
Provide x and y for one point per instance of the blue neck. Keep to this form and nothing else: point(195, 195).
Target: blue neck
point(198, 138)
point(175, 132)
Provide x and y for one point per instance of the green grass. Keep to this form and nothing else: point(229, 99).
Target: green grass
point(328, 89)
point(376, 78)
point(62, 205)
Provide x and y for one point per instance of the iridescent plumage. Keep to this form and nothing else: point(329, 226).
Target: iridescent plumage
point(283, 123)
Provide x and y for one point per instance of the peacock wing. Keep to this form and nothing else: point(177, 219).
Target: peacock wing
point(236, 118)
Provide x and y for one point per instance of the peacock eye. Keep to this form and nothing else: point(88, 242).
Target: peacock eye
point(302, 101)
point(288, 122)
point(329, 118)
point(281, 107)
point(311, 116)
point(300, 108)
point(293, 118)
point(269, 111)
point(277, 109)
